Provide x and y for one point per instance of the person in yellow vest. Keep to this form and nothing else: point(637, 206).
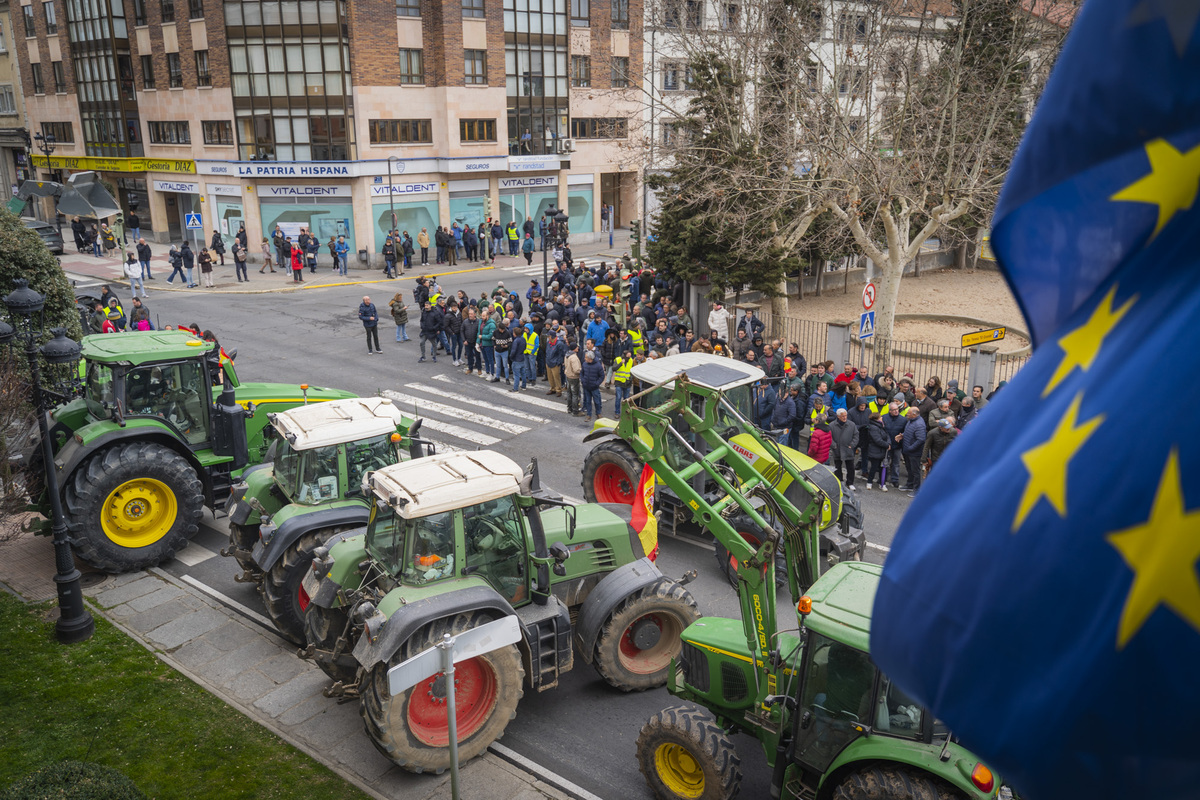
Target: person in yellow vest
point(622, 377)
point(514, 238)
point(637, 335)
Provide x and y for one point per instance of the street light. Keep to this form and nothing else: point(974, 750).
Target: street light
point(25, 310)
point(556, 230)
point(391, 195)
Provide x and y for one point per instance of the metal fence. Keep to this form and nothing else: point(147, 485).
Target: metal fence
point(1008, 365)
point(810, 336)
point(924, 361)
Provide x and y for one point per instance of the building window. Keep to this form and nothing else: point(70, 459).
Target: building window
point(217, 131)
point(203, 76)
point(408, 8)
point(817, 23)
point(620, 71)
point(600, 128)
point(169, 133)
point(477, 130)
point(30, 30)
point(475, 67)
point(412, 69)
point(139, 12)
point(580, 12)
point(472, 8)
point(60, 79)
point(581, 72)
point(853, 80)
point(39, 83)
point(671, 74)
point(8, 101)
point(51, 19)
point(3, 42)
point(400, 131)
point(620, 14)
point(168, 10)
point(852, 27)
point(60, 132)
point(812, 74)
point(731, 16)
point(672, 133)
point(174, 71)
point(195, 9)
point(147, 72)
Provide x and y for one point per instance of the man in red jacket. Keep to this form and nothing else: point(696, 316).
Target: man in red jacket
point(846, 376)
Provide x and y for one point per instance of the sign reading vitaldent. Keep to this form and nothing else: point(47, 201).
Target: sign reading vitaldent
point(403, 189)
point(300, 190)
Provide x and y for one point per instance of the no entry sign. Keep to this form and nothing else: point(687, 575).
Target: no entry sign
point(868, 296)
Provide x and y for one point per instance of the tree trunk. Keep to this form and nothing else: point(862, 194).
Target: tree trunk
point(779, 304)
point(887, 294)
point(820, 274)
point(960, 256)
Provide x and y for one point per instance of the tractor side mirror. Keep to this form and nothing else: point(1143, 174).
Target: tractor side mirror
point(560, 553)
point(250, 409)
point(570, 510)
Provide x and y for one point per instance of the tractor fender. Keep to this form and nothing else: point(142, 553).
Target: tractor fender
point(600, 433)
point(238, 511)
point(608, 594)
point(411, 617)
point(292, 528)
point(73, 453)
point(328, 588)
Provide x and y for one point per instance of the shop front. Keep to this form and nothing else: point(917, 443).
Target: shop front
point(407, 206)
point(524, 197)
point(228, 212)
point(324, 211)
point(181, 199)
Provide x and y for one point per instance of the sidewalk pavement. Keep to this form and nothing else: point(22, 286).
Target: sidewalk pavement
point(257, 673)
point(88, 269)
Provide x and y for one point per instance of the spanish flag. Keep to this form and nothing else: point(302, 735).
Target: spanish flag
point(643, 514)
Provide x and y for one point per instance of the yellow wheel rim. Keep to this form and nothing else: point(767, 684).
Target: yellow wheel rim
point(679, 771)
point(138, 512)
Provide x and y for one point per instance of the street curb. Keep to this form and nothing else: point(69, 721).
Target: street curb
point(305, 286)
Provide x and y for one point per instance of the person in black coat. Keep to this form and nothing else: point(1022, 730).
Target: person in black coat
point(218, 246)
point(431, 330)
point(878, 445)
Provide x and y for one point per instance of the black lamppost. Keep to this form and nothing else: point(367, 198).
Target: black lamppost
point(556, 230)
point(46, 145)
point(25, 306)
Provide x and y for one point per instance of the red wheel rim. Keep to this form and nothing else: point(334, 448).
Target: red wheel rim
point(651, 659)
point(613, 485)
point(302, 598)
point(474, 697)
point(751, 540)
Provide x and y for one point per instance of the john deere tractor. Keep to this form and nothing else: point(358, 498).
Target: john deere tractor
point(308, 490)
point(831, 725)
point(162, 430)
point(457, 540)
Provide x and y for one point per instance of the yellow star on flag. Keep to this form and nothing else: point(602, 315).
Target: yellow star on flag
point(1171, 185)
point(1047, 463)
point(1082, 345)
point(1162, 553)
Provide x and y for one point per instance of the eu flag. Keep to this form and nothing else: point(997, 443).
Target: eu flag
point(1043, 595)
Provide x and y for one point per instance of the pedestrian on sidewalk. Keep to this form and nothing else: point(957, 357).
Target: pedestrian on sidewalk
point(175, 259)
point(527, 248)
point(143, 254)
point(189, 263)
point(399, 316)
point(343, 254)
point(310, 252)
point(406, 248)
point(370, 321)
point(389, 257)
point(242, 237)
point(423, 243)
point(239, 261)
point(297, 266)
point(133, 271)
point(206, 267)
point(94, 237)
point(109, 239)
point(267, 262)
point(332, 245)
point(135, 225)
point(218, 246)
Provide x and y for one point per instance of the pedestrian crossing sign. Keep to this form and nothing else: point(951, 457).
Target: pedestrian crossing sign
point(192, 222)
point(866, 325)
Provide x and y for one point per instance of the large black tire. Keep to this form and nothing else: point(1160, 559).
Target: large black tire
point(891, 783)
point(132, 505)
point(322, 627)
point(282, 589)
point(641, 636)
point(411, 729)
point(754, 534)
point(684, 755)
point(611, 473)
point(243, 537)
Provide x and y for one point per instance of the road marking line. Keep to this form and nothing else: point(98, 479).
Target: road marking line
point(472, 401)
point(533, 401)
point(442, 447)
point(461, 433)
point(884, 548)
point(423, 406)
point(553, 778)
point(194, 554)
point(229, 601)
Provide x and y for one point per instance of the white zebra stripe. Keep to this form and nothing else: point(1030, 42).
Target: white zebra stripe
point(460, 433)
point(522, 397)
point(470, 401)
point(424, 407)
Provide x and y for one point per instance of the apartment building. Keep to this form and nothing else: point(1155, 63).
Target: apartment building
point(14, 162)
point(341, 117)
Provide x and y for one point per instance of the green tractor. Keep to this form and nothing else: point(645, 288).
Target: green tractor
point(162, 430)
point(309, 489)
point(831, 725)
point(612, 469)
point(457, 540)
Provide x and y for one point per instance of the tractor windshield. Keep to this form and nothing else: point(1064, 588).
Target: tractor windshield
point(741, 398)
point(99, 394)
point(418, 551)
point(318, 478)
point(287, 467)
point(368, 455)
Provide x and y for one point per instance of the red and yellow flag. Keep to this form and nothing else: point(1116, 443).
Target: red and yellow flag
point(643, 514)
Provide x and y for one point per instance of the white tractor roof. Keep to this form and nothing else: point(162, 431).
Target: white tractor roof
point(336, 421)
point(446, 481)
point(706, 369)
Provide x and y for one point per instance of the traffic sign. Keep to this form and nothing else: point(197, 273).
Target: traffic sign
point(981, 337)
point(866, 325)
point(868, 296)
point(192, 221)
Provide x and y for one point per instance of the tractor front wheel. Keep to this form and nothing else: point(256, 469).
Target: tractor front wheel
point(636, 645)
point(611, 473)
point(411, 728)
point(753, 535)
point(322, 629)
point(883, 783)
point(684, 755)
point(132, 506)
point(283, 584)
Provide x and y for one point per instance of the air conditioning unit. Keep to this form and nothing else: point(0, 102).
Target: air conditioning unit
point(566, 145)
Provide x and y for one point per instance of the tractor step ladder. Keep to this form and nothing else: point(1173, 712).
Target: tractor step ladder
point(548, 634)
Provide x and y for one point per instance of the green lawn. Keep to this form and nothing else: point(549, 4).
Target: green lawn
point(110, 701)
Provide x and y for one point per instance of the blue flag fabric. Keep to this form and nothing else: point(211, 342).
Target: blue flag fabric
point(1042, 594)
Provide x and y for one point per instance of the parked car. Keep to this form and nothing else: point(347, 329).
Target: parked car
point(50, 233)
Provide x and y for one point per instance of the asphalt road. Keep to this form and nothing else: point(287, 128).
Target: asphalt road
point(582, 730)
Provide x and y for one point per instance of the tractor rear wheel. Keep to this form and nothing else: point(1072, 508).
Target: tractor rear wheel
point(611, 473)
point(282, 586)
point(684, 755)
point(322, 628)
point(132, 506)
point(411, 728)
point(753, 534)
point(884, 783)
point(636, 644)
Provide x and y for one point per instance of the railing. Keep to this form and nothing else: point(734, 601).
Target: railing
point(922, 360)
point(810, 336)
point(1008, 365)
